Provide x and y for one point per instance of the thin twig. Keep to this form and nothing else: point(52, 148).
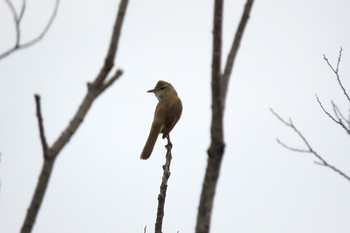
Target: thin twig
point(310, 149)
point(22, 11)
point(41, 126)
point(42, 34)
point(336, 71)
point(17, 19)
point(163, 187)
point(235, 45)
point(337, 112)
point(292, 148)
point(339, 121)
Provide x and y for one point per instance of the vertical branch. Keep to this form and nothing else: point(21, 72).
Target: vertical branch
point(219, 89)
point(41, 126)
point(163, 188)
point(216, 148)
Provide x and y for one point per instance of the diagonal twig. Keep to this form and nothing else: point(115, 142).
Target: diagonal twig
point(336, 71)
point(235, 45)
point(337, 112)
point(338, 121)
point(310, 149)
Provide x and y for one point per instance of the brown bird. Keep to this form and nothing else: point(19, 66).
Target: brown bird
point(166, 115)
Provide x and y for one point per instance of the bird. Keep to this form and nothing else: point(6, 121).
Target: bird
point(167, 113)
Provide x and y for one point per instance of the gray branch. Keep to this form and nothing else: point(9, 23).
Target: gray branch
point(336, 72)
point(336, 112)
point(17, 20)
point(309, 149)
point(219, 84)
point(51, 152)
point(163, 188)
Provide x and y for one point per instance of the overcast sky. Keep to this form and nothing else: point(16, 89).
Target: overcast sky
point(99, 184)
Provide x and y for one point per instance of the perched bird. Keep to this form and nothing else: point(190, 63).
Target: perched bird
point(166, 115)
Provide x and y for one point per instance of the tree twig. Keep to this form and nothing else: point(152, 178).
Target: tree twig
point(17, 19)
point(336, 72)
point(339, 120)
point(41, 126)
point(92, 93)
point(219, 85)
point(235, 45)
point(310, 149)
point(163, 187)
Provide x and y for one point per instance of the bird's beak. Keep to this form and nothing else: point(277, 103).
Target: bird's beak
point(150, 91)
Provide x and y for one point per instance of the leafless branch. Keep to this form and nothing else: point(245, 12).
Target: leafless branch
point(17, 19)
point(338, 114)
point(292, 148)
point(109, 83)
point(95, 88)
point(41, 126)
point(336, 111)
point(235, 45)
point(310, 149)
point(336, 72)
point(163, 188)
point(219, 85)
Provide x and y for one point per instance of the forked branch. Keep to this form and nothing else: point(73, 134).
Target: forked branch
point(219, 86)
point(339, 118)
point(94, 89)
point(309, 149)
point(17, 20)
point(336, 72)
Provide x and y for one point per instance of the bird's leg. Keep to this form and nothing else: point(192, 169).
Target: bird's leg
point(169, 145)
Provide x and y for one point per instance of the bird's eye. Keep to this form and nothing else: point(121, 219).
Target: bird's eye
point(161, 88)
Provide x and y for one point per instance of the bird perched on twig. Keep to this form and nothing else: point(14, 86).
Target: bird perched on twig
point(166, 115)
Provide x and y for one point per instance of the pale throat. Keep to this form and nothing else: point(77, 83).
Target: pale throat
point(158, 95)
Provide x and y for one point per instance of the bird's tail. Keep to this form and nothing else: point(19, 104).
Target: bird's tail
point(151, 141)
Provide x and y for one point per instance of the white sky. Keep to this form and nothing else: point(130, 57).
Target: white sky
point(99, 184)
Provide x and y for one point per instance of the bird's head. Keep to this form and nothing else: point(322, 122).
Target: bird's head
point(163, 89)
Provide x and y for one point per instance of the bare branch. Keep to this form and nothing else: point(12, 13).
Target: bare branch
point(17, 19)
point(41, 126)
point(310, 149)
point(107, 84)
point(96, 88)
point(163, 187)
point(22, 11)
point(42, 34)
point(337, 73)
point(337, 113)
point(219, 85)
point(235, 45)
point(339, 121)
point(292, 148)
